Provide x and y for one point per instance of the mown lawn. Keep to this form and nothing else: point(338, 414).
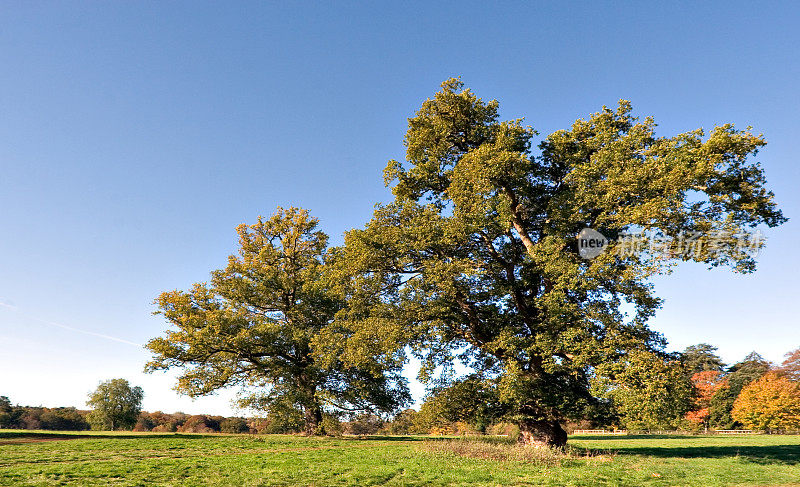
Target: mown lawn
point(40, 458)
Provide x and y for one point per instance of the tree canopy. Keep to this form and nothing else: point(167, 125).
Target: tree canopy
point(769, 403)
point(257, 325)
point(116, 405)
point(701, 358)
point(476, 258)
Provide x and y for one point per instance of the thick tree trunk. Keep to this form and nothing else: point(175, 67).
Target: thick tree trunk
point(543, 433)
point(313, 419)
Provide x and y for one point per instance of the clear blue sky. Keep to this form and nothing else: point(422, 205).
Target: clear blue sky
point(134, 137)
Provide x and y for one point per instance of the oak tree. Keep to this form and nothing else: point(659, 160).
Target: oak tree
point(115, 405)
point(476, 258)
point(254, 326)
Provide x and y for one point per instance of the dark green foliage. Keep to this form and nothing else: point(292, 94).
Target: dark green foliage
point(65, 419)
point(234, 425)
point(9, 415)
point(701, 357)
point(752, 368)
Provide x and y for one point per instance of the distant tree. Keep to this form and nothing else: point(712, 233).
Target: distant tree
point(9, 415)
point(234, 425)
point(701, 357)
point(472, 400)
point(649, 391)
point(752, 368)
point(116, 405)
point(791, 366)
point(405, 423)
point(363, 424)
point(200, 423)
point(705, 384)
point(769, 403)
point(256, 322)
point(145, 422)
point(64, 419)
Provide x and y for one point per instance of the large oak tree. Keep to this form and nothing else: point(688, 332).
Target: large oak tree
point(255, 325)
point(476, 257)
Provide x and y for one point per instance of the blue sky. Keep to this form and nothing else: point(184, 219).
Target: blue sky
point(135, 136)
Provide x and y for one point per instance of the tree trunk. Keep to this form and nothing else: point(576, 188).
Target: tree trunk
point(313, 419)
point(542, 434)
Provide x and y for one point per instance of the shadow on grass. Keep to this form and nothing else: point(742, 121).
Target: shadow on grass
point(636, 437)
point(763, 455)
point(83, 436)
point(387, 438)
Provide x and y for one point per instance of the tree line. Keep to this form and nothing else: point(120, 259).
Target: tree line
point(705, 393)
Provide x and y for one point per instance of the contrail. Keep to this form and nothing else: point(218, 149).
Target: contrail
point(67, 327)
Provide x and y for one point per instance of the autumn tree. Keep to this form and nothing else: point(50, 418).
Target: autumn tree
point(770, 403)
point(255, 323)
point(476, 257)
point(702, 357)
point(115, 405)
point(791, 366)
point(705, 385)
point(737, 377)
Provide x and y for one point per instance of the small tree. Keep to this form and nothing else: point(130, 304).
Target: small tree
point(116, 405)
point(770, 403)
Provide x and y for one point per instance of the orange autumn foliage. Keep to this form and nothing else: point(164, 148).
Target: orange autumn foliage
point(706, 384)
point(770, 403)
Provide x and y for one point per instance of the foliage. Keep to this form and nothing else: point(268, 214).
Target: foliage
point(201, 423)
point(234, 425)
point(363, 424)
point(770, 403)
point(64, 419)
point(472, 400)
point(9, 415)
point(701, 358)
point(476, 257)
point(26, 417)
point(705, 384)
point(791, 366)
point(405, 422)
point(255, 323)
point(648, 391)
point(752, 368)
point(116, 405)
point(331, 425)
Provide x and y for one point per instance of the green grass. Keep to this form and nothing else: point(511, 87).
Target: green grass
point(193, 459)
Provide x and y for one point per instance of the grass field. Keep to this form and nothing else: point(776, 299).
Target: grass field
point(42, 458)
